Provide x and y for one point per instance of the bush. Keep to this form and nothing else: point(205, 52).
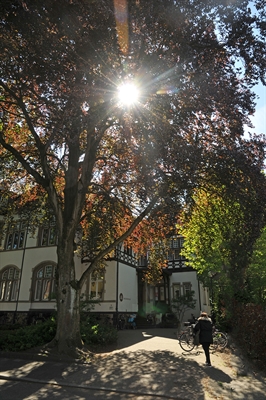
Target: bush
point(250, 331)
point(94, 332)
point(27, 337)
point(9, 327)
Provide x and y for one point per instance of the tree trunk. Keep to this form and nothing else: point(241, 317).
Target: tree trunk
point(68, 338)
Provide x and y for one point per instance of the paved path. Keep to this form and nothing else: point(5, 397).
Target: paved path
point(143, 366)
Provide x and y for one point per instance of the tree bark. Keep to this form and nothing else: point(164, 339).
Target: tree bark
point(68, 337)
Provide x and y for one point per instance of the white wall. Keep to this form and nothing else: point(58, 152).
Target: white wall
point(127, 289)
point(109, 296)
point(189, 277)
point(32, 257)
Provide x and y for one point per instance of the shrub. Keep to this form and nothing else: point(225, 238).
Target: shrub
point(95, 332)
point(250, 331)
point(27, 337)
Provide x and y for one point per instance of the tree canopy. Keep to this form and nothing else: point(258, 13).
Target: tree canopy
point(221, 230)
point(256, 273)
point(229, 226)
point(106, 167)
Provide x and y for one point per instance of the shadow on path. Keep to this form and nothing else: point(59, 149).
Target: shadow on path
point(143, 365)
point(159, 374)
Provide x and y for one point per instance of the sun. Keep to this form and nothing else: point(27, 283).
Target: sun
point(128, 94)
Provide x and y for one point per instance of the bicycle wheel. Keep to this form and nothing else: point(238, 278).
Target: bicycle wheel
point(186, 342)
point(219, 340)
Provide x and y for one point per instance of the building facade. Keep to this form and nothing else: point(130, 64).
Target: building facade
point(27, 279)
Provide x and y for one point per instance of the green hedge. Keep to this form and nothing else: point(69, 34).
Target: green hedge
point(27, 337)
point(249, 330)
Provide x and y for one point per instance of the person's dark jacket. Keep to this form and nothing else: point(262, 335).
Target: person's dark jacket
point(205, 326)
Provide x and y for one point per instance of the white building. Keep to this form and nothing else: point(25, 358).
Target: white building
point(27, 279)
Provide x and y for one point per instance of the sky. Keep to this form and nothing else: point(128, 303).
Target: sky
point(259, 118)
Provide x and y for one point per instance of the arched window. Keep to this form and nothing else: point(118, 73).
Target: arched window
point(43, 285)
point(9, 283)
point(96, 285)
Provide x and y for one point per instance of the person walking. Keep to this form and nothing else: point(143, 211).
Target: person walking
point(204, 325)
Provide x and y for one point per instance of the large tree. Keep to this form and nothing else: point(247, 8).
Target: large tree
point(102, 166)
point(222, 228)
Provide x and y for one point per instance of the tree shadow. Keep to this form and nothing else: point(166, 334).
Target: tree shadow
point(141, 373)
point(146, 372)
point(125, 374)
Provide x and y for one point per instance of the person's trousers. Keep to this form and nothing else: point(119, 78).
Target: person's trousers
point(206, 348)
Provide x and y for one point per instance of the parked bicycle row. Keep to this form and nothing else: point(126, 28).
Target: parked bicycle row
point(126, 321)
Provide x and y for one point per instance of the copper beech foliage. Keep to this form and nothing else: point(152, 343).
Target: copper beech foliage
point(124, 173)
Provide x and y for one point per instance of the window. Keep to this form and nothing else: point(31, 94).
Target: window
point(177, 243)
point(128, 250)
point(9, 283)
point(176, 246)
point(175, 254)
point(2, 224)
point(187, 288)
point(48, 234)
point(16, 235)
point(142, 261)
point(176, 290)
point(96, 285)
point(44, 283)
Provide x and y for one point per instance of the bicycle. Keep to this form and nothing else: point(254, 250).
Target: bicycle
point(186, 339)
point(151, 319)
point(220, 340)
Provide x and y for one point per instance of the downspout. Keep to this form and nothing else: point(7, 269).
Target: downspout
point(116, 300)
point(21, 270)
point(169, 293)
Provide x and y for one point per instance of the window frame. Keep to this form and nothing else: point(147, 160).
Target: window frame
point(178, 286)
point(44, 283)
point(48, 235)
point(176, 245)
point(9, 285)
point(94, 279)
point(16, 235)
point(187, 288)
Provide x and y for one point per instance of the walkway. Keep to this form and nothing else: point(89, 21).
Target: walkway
point(143, 366)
